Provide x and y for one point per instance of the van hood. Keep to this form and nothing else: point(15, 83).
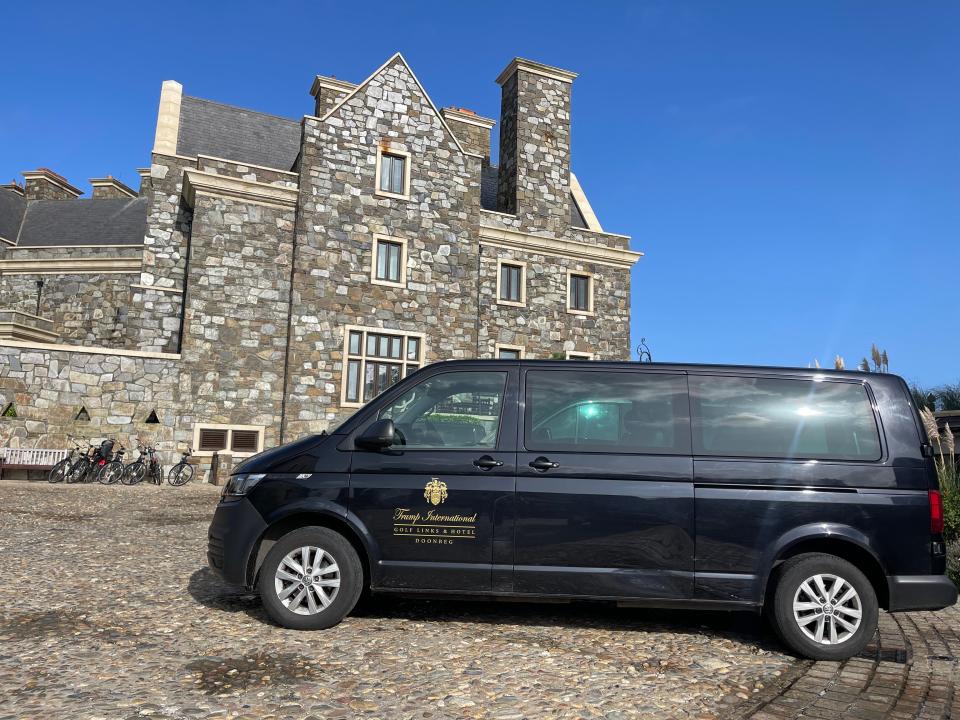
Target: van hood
point(296, 456)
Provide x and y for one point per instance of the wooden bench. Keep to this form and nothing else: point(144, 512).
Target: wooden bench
point(29, 459)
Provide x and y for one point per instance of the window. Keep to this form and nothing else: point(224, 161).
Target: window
point(571, 355)
point(624, 412)
point(389, 261)
point(450, 410)
point(509, 352)
point(236, 440)
point(579, 293)
point(393, 173)
point(511, 283)
point(770, 417)
point(377, 359)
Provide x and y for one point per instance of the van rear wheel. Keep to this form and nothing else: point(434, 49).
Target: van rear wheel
point(824, 608)
point(311, 579)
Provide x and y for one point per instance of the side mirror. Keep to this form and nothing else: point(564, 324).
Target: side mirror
point(378, 436)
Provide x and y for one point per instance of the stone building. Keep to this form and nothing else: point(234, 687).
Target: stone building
point(271, 275)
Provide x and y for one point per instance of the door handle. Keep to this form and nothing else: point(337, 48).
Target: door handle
point(543, 464)
point(487, 463)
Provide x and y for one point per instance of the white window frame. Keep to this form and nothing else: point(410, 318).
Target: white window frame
point(503, 346)
point(381, 151)
point(577, 355)
point(377, 239)
point(362, 357)
point(523, 281)
point(229, 428)
point(590, 293)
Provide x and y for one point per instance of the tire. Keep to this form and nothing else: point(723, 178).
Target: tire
point(336, 549)
point(180, 474)
point(79, 470)
point(59, 472)
point(133, 473)
point(797, 583)
point(110, 473)
point(156, 474)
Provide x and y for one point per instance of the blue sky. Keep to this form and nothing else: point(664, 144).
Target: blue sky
point(790, 169)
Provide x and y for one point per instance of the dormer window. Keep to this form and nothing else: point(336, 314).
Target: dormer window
point(393, 173)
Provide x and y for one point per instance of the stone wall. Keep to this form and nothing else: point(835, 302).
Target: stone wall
point(49, 387)
point(339, 215)
point(236, 308)
point(543, 327)
point(84, 308)
point(156, 308)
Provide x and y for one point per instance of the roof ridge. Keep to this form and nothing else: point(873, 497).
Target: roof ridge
point(238, 107)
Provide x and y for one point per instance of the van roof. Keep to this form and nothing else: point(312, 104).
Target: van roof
point(697, 367)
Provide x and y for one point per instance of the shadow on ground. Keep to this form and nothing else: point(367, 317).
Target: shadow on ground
point(746, 627)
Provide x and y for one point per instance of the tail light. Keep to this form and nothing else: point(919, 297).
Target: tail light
point(936, 512)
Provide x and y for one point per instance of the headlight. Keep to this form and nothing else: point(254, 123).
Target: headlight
point(239, 485)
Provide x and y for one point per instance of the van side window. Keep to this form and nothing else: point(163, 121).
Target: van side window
point(773, 418)
point(623, 412)
point(450, 410)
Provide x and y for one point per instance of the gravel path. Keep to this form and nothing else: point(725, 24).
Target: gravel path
point(107, 610)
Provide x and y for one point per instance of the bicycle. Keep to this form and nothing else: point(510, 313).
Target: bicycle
point(147, 463)
point(80, 468)
point(60, 471)
point(87, 466)
point(111, 472)
point(182, 472)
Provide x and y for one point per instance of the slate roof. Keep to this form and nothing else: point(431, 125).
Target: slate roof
point(488, 196)
point(225, 131)
point(113, 221)
point(12, 206)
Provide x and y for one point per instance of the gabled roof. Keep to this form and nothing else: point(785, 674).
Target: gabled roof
point(12, 206)
point(114, 221)
point(397, 56)
point(233, 133)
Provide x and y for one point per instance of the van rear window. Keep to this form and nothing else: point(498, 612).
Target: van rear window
point(773, 418)
point(593, 411)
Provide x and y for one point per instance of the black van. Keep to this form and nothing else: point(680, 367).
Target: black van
point(808, 493)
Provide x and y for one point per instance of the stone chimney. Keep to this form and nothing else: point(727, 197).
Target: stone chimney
point(45, 184)
point(328, 91)
point(534, 177)
point(110, 187)
point(472, 130)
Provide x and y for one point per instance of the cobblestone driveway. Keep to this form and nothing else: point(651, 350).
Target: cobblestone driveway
point(107, 611)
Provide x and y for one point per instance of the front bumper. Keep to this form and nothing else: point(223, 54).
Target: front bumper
point(920, 592)
point(234, 531)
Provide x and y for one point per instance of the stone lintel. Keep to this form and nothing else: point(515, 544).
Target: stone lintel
point(71, 266)
point(518, 63)
point(574, 249)
point(197, 182)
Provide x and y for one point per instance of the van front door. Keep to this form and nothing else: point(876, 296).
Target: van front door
point(439, 502)
point(605, 485)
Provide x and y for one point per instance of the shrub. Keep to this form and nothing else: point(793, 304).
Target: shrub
point(953, 562)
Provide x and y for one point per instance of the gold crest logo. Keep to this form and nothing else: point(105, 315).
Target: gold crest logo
point(435, 491)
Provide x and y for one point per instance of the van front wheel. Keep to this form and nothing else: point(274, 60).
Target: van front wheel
point(824, 608)
point(310, 579)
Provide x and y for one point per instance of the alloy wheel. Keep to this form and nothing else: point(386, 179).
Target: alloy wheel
point(307, 580)
point(827, 609)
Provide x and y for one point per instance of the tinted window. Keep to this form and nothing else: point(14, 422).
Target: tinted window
point(762, 417)
point(584, 411)
point(450, 410)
